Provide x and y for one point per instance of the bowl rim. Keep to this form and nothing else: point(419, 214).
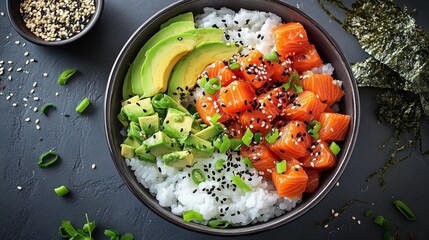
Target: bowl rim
point(39, 41)
point(248, 229)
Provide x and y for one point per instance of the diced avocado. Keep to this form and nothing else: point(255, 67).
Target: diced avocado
point(122, 117)
point(199, 147)
point(149, 124)
point(135, 132)
point(127, 151)
point(182, 17)
point(179, 159)
point(163, 101)
point(143, 154)
point(138, 109)
point(187, 70)
point(136, 66)
point(130, 100)
point(133, 142)
point(210, 132)
point(127, 90)
point(160, 144)
point(177, 124)
point(161, 58)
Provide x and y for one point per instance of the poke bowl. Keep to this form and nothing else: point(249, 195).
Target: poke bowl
point(231, 117)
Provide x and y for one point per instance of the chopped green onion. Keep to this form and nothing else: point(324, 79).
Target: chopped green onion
point(212, 86)
point(313, 128)
point(247, 137)
point(198, 176)
point(281, 166)
point(47, 159)
point(368, 212)
point(236, 144)
point(192, 215)
point(247, 162)
point(203, 82)
point(293, 81)
point(258, 137)
point(379, 220)
point(405, 210)
point(215, 118)
point(272, 136)
point(241, 184)
point(219, 164)
point(61, 191)
point(298, 87)
point(272, 56)
point(83, 105)
point(226, 143)
point(233, 65)
point(335, 149)
point(113, 234)
point(46, 107)
point(66, 75)
point(218, 223)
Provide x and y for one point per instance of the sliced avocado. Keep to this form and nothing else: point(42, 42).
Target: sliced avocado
point(187, 70)
point(210, 132)
point(127, 151)
point(127, 90)
point(135, 132)
point(130, 100)
point(138, 109)
point(199, 147)
point(161, 58)
point(144, 155)
point(160, 144)
point(136, 66)
point(122, 117)
point(149, 124)
point(182, 17)
point(133, 142)
point(177, 124)
point(179, 159)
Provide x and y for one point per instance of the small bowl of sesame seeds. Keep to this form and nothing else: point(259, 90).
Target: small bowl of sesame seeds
point(53, 22)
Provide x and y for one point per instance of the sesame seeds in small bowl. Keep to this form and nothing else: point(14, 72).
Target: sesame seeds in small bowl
point(53, 22)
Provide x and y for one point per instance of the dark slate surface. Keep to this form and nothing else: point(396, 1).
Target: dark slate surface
point(35, 212)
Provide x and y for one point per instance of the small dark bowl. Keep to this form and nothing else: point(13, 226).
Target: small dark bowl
point(329, 52)
point(18, 24)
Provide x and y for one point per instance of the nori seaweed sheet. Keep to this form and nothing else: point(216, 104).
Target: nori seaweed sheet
point(391, 36)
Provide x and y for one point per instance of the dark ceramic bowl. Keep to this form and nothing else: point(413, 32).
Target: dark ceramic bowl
point(329, 52)
point(18, 24)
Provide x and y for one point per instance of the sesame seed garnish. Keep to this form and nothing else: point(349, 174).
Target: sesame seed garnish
point(37, 127)
point(34, 84)
point(36, 98)
point(26, 54)
point(93, 166)
point(27, 119)
point(35, 109)
point(45, 74)
point(19, 187)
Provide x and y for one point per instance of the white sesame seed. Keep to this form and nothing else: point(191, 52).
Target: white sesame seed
point(37, 127)
point(19, 187)
point(9, 78)
point(8, 97)
point(358, 221)
point(32, 91)
point(353, 217)
point(10, 69)
point(26, 54)
point(19, 69)
point(10, 62)
point(2, 14)
point(326, 226)
point(301, 36)
point(14, 104)
point(37, 121)
point(56, 94)
point(25, 105)
point(27, 119)
point(45, 74)
point(17, 42)
point(34, 84)
point(36, 98)
point(24, 44)
point(93, 166)
point(35, 109)
point(337, 184)
point(336, 214)
point(25, 99)
point(32, 60)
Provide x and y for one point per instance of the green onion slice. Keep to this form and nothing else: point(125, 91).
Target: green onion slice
point(379, 220)
point(258, 137)
point(281, 166)
point(247, 137)
point(335, 149)
point(247, 161)
point(215, 118)
point(61, 191)
point(47, 159)
point(66, 75)
point(226, 143)
point(218, 223)
point(272, 136)
point(405, 210)
point(272, 56)
point(241, 184)
point(46, 107)
point(293, 81)
point(233, 65)
point(236, 144)
point(198, 176)
point(111, 233)
point(191, 215)
point(83, 105)
point(219, 164)
point(203, 82)
point(212, 86)
point(313, 128)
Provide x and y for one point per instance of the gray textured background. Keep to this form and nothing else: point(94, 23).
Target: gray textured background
point(35, 212)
